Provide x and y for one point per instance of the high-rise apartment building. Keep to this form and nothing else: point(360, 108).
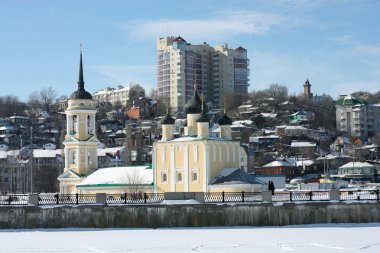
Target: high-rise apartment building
point(220, 71)
point(356, 117)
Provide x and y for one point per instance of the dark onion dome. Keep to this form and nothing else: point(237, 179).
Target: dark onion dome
point(167, 120)
point(80, 93)
point(351, 100)
point(203, 118)
point(194, 105)
point(225, 120)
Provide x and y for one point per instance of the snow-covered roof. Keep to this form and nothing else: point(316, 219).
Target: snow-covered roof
point(104, 151)
point(185, 138)
point(304, 163)
point(3, 154)
point(295, 128)
point(356, 165)
point(244, 106)
point(113, 176)
point(302, 144)
point(268, 115)
point(42, 153)
point(246, 122)
point(279, 164)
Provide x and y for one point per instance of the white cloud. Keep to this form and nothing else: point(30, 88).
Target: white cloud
point(373, 50)
point(221, 25)
point(341, 40)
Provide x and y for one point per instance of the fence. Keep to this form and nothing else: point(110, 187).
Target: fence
point(210, 197)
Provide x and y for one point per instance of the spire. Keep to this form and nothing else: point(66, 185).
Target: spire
point(80, 79)
point(225, 120)
point(195, 80)
point(225, 105)
point(80, 93)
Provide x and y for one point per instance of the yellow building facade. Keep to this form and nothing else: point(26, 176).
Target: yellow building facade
point(193, 162)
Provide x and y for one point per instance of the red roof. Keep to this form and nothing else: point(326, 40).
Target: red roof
point(179, 38)
point(241, 49)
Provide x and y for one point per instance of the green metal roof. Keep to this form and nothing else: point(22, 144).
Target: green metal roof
point(350, 100)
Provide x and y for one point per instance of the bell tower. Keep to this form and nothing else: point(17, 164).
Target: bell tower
point(80, 141)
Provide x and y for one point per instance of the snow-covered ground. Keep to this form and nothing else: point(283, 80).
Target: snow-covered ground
point(309, 238)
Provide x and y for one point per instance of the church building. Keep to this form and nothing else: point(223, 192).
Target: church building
point(196, 162)
point(80, 142)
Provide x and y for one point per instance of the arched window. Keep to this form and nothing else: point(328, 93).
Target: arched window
point(72, 156)
point(89, 130)
point(74, 127)
point(89, 158)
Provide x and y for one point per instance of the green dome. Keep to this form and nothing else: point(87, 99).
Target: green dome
point(225, 120)
point(80, 94)
point(194, 105)
point(350, 100)
point(167, 120)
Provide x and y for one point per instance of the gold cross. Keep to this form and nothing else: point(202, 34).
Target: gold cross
point(203, 100)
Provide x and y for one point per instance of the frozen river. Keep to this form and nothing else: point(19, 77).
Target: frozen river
point(310, 238)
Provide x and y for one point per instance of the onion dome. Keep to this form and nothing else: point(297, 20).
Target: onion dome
point(81, 93)
point(203, 118)
point(194, 105)
point(225, 120)
point(167, 120)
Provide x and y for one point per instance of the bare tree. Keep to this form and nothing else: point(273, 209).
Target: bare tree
point(135, 181)
point(42, 100)
point(34, 103)
point(278, 92)
point(47, 97)
point(11, 105)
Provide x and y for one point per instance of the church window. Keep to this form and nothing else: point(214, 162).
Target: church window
point(164, 176)
point(72, 156)
point(74, 127)
point(195, 175)
point(179, 176)
point(89, 130)
point(195, 153)
point(89, 158)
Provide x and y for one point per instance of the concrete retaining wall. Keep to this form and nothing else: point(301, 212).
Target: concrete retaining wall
point(202, 215)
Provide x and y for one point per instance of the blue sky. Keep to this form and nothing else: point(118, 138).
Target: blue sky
point(336, 44)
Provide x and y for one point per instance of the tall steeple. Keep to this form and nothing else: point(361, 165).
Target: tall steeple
point(80, 79)
point(80, 93)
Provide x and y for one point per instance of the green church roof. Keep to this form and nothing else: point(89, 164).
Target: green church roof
point(350, 100)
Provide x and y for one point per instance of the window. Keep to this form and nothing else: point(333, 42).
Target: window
point(74, 126)
point(88, 124)
point(179, 176)
point(164, 176)
point(194, 175)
